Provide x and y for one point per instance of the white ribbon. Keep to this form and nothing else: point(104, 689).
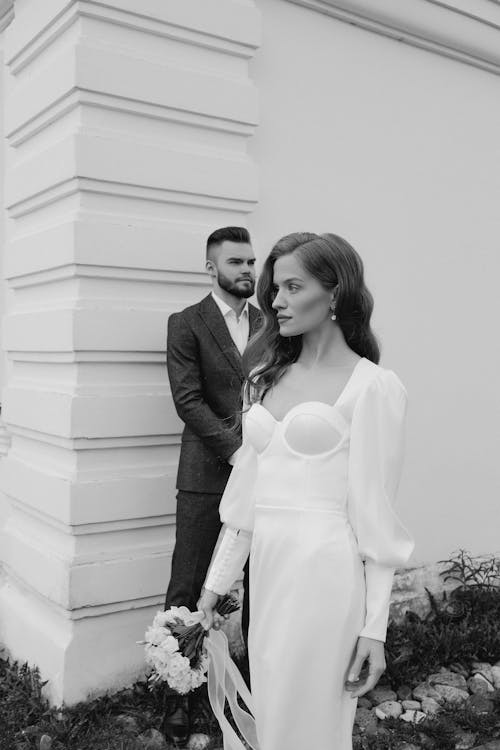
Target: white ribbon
point(224, 683)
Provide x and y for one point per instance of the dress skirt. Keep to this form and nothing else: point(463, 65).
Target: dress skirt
point(307, 599)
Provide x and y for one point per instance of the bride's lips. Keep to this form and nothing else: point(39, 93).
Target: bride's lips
point(283, 318)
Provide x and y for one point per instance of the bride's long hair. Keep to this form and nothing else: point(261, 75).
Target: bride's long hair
point(334, 263)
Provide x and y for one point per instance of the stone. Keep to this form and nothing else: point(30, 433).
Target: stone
point(459, 669)
point(479, 684)
point(45, 742)
point(430, 706)
point(413, 716)
point(364, 702)
point(484, 668)
point(465, 740)
point(451, 679)
point(388, 709)
point(380, 694)
point(495, 673)
point(404, 693)
point(424, 690)
point(411, 705)
point(198, 741)
point(366, 721)
point(452, 694)
point(480, 704)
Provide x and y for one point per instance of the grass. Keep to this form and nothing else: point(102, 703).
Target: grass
point(25, 715)
point(459, 628)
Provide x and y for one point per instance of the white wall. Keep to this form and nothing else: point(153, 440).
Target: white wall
point(129, 139)
point(397, 149)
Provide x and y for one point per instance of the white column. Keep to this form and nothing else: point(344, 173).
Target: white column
point(6, 16)
point(126, 127)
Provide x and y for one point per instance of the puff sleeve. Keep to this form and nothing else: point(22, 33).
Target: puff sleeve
point(375, 463)
point(236, 511)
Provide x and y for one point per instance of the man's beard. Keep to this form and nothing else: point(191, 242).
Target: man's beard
point(232, 288)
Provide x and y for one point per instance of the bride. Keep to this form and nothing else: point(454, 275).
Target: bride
point(310, 497)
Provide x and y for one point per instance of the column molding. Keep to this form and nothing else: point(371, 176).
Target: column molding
point(126, 137)
point(6, 13)
point(465, 31)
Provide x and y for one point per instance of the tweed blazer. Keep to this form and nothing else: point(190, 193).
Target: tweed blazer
point(206, 377)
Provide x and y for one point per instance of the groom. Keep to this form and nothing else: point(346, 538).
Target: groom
point(204, 347)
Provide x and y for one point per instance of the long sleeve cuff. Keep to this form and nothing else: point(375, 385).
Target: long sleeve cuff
point(229, 560)
point(379, 579)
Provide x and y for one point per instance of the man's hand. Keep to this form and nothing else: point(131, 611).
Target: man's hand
point(358, 682)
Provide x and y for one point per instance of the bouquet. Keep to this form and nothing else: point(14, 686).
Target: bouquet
point(174, 646)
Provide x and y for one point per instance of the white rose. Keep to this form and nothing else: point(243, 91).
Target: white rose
point(182, 686)
point(178, 664)
point(170, 644)
point(155, 635)
point(161, 619)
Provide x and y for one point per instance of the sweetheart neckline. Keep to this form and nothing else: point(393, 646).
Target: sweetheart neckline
point(322, 403)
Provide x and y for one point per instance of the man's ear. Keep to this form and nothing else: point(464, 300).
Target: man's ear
point(210, 268)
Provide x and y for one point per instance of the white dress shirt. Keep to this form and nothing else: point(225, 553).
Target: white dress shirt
point(239, 328)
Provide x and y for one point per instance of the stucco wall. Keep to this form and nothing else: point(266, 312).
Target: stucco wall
point(129, 137)
point(396, 148)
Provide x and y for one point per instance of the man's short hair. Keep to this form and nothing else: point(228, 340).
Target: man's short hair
point(233, 234)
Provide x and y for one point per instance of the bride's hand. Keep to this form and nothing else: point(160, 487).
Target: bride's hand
point(206, 604)
point(373, 651)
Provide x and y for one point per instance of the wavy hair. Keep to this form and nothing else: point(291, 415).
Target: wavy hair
point(334, 263)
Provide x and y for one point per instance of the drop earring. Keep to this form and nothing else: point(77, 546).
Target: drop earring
point(333, 316)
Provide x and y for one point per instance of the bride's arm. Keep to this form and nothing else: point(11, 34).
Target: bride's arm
point(237, 514)
point(225, 568)
point(375, 463)
point(229, 560)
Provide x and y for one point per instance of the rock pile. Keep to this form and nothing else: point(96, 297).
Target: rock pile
point(477, 689)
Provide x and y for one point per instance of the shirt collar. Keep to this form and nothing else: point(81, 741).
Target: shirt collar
point(225, 308)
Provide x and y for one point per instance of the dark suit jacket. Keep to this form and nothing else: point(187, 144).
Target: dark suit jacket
point(206, 376)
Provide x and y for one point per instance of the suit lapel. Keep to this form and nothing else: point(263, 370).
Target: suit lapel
point(214, 321)
point(255, 319)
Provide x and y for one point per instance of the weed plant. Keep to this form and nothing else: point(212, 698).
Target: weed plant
point(464, 626)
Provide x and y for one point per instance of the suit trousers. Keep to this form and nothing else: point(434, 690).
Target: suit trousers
point(197, 530)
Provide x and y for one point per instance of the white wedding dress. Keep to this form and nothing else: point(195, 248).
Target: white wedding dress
point(310, 499)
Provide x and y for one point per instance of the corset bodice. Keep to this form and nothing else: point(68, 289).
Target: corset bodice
point(310, 445)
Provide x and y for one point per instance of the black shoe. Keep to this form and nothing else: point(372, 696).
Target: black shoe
point(175, 725)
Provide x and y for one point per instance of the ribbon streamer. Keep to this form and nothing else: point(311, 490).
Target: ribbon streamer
point(224, 683)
